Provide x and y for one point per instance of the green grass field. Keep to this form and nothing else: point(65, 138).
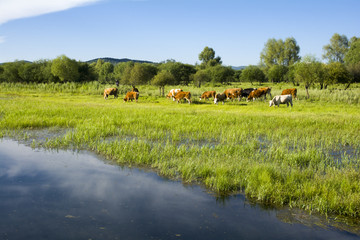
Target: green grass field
point(306, 156)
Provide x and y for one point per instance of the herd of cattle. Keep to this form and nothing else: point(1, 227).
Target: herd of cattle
point(234, 93)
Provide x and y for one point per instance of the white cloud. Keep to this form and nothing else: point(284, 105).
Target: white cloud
point(15, 9)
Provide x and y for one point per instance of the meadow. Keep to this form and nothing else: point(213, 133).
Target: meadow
point(305, 157)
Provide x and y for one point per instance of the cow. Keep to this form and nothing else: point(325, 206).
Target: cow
point(232, 93)
point(130, 96)
point(281, 99)
point(268, 91)
point(257, 93)
point(220, 98)
point(173, 92)
point(292, 91)
point(183, 95)
point(245, 92)
point(208, 94)
point(111, 91)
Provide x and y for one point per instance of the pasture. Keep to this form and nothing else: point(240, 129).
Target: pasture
point(306, 156)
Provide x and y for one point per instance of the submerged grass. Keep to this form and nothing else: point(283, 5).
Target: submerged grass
point(306, 156)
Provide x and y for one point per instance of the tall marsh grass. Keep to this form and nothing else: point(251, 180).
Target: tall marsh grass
point(306, 156)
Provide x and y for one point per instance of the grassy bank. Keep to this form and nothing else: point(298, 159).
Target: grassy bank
point(306, 156)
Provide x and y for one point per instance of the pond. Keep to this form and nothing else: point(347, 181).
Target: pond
point(67, 195)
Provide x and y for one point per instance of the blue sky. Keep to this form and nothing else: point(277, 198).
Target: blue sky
point(157, 30)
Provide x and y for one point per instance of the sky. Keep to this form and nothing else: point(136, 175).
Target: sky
point(158, 30)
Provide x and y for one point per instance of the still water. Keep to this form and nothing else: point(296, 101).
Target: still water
point(67, 195)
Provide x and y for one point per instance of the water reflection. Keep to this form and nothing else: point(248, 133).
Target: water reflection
point(65, 195)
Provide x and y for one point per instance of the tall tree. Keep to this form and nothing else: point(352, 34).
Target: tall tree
point(308, 71)
point(221, 74)
point(291, 52)
point(252, 74)
point(336, 50)
point(142, 73)
point(279, 52)
point(11, 71)
point(200, 77)
point(105, 72)
point(180, 71)
point(162, 79)
point(122, 71)
point(277, 73)
point(354, 70)
point(353, 54)
point(207, 56)
point(337, 73)
point(65, 68)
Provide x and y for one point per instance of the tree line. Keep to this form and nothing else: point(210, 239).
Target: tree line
point(279, 62)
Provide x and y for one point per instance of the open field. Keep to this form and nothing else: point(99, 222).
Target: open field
point(306, 156)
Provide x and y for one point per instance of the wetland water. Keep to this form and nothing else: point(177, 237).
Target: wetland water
point(67, 195)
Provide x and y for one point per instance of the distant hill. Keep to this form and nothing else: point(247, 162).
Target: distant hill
point(116, 60)
point(238, 68)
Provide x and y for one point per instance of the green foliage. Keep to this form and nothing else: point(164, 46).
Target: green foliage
point(309, 71)
point(354, 70)
point(65, 68)
point(163, 78)
point(10, 71)
point(221, 74)
point(141, 74)
point(105, 72)
point(87, 72)
point(278, 73)
point(200, 77)
point(278, 52)
point(252, 74)
point(122, 71)
point(337, 73)
point(353, 55)
point(180, 71)
point(336, 50)
point(237, 75)
point(207, 56)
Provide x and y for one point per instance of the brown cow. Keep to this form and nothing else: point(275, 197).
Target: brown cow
point(292, 91)
point(257, 93)
point(183, 95)
point(131, 96)
point(268, 91)
point(173, 92)
point(208, 94)
point(110, 91)
point(233, 93)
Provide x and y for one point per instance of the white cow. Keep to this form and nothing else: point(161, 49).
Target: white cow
point(173, 92)
point(281, 99)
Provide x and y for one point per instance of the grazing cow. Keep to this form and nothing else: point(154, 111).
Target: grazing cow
point(183, 95)
point(173, 92)
point(292, 91)
point(257, 93)
point(281, 99)
point(220, 98)
point(268, 91)
point(232, 93)
point(130, 96)
point(110, 91)
point(208, 94)
point(245, 92)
